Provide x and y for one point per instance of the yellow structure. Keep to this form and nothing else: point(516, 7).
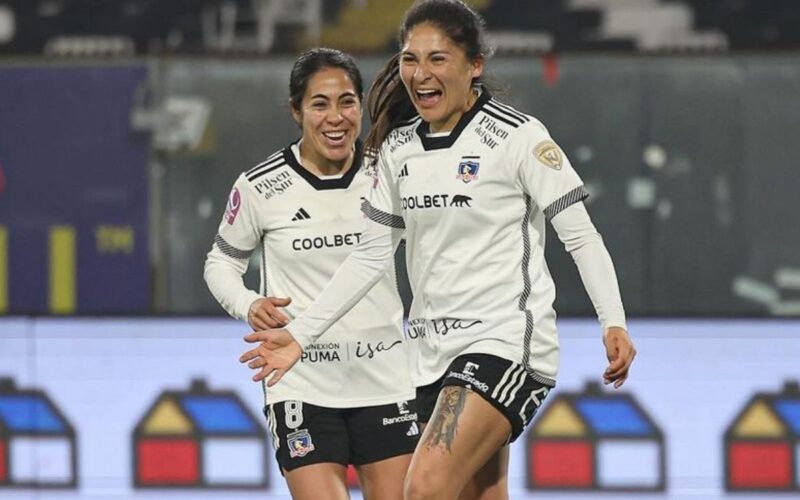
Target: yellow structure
point(371, 25)
point(63, 270)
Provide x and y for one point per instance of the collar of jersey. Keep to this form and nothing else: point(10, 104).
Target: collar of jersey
point(430, 143)
point(342, 182)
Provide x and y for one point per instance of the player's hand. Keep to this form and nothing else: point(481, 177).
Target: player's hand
point(276, 355)
point(264, 313)
point(620, 353)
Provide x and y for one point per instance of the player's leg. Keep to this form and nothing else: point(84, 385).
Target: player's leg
point(323, 481)
point(463, 433)
point(311, 448)
point(491, 480)
point(382, 439)
point(485, 401)
point(384, 479)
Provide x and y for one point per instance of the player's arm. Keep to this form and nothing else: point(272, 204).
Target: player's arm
point(546, 174)
point(575, 229)
point(237, 237)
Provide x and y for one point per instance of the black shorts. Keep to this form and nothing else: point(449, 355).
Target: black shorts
point(305, 434)
point(504, 384)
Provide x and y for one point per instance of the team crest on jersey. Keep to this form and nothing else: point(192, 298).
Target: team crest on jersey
point(548, 153)
point(234, 204)
point(300, 443)
point(468, 169)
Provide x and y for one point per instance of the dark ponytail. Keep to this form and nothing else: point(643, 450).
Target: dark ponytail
point(388, 104)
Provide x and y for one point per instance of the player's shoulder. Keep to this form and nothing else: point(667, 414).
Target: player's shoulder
point(510, 117)
point(401, 135)
point(522, 129)
point(271, 165)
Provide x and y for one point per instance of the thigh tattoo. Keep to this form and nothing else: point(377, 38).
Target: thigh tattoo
point(445, 417)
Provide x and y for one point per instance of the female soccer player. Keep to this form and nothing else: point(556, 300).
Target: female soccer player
point(470, 182)
point(350, 400)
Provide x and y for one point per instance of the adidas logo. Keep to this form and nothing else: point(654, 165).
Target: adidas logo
point(413, 430)
point(301, 215)
point(403, 171)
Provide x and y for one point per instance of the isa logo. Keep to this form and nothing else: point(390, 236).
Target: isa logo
point(234, 204)
point(300, 443)
point(468, 169)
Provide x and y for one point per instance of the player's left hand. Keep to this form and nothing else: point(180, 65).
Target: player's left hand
point(276, 355)
point(620, 353)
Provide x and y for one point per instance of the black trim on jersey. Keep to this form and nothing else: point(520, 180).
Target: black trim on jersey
point(382, 217)
point(500, 118)
point(430, 143)
point(578, 194)
point(526, 293)
point(342, 182)
point(265, 288)
point(511, 111)
point(526, 284)
point(266, 167)
point(230, 250)
point(496, 111)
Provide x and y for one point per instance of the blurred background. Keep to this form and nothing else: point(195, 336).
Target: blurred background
point(124, 123)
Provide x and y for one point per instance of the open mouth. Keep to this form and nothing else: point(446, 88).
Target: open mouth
point(336, 137)
point(428, 97)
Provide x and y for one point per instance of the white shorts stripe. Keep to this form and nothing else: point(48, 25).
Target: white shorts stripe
point(518, 372)
point(516, 389)
point(502, 381)
point(273, 427)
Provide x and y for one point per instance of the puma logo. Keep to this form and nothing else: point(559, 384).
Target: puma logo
point(460, 200)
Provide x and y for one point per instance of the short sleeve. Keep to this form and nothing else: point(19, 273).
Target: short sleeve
point(544, 171)
point(239, 233)
point(383, 204)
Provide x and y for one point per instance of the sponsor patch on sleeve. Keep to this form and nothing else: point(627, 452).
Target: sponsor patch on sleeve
point(549, 154)
point(234, 204)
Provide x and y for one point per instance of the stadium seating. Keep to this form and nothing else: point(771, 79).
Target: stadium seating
point(127, 27)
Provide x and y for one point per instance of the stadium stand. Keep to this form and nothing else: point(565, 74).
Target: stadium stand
point(126, 27)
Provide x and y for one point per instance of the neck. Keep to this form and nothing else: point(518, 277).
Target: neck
point(451, 122)
point(319, 165)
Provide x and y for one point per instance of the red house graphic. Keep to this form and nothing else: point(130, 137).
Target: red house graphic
point(762, 445)
point(595, 440)
point(199, 439)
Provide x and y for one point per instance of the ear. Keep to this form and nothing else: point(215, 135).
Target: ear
point(477, 66)
point(296, 114)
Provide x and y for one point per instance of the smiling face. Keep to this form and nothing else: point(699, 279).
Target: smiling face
point(330, 115)
point(438, 76)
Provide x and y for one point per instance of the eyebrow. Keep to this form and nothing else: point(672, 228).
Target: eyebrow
point(433, 53)
point(323, 96)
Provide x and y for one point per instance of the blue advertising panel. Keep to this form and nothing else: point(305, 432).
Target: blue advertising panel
point(148, 408)
point(73, 197)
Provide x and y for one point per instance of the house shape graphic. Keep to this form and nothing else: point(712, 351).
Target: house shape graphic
point(199, 439)
point(37, 444)
point(595, 440)
point(762, 444)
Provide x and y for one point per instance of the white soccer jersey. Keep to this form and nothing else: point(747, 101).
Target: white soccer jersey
point(306, 226)
point(474, 205)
